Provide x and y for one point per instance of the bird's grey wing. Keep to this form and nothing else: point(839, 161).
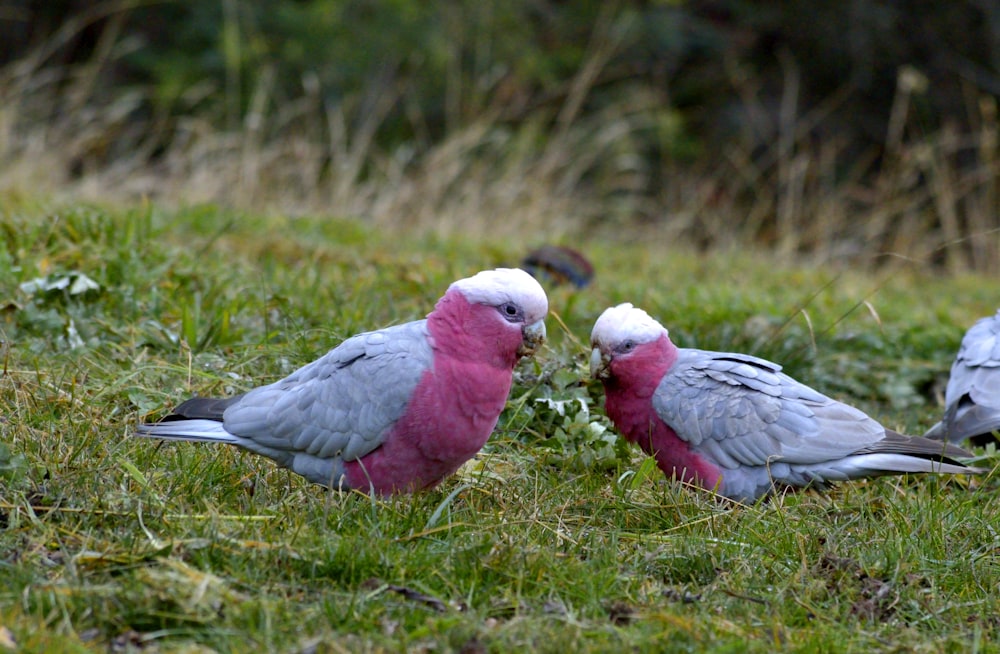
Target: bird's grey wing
point(344, 403)
point(742, 410)
point(981, 344)
point(976, 408)
point(972, 397)
point(976, 370)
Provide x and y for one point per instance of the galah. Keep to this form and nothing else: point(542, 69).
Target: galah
point(394, 410)
point(736, 424)
point(972, 397)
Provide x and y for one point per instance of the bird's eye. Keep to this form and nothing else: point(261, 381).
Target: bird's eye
point(627, 346)
point(510, 311)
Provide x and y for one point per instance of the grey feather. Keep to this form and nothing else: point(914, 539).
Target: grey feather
point(896, 443)
point(338, 408)
point(743, 411)
point(340, 402)
point(737, 398)
point(972, 397)
point(208, 408)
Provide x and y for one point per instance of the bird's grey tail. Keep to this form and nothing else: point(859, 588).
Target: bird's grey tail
point(917, 454)
point(924, 448)
point(198, 419)
point(207, 408)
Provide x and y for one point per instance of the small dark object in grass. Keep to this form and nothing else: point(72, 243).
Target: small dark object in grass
point(686, 597)
point(560, 265)
point(620, 613)
point(408, 593)
point(473, 646)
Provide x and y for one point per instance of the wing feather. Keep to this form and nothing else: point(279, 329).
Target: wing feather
point(976, 370)
point(972, 397)
point(344, 403)
point(743, 410)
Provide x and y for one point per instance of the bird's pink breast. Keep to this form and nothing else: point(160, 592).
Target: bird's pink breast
point(454, 408)
point(629, 404)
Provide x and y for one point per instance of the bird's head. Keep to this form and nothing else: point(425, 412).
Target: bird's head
point(622, 333)
point(506, 300)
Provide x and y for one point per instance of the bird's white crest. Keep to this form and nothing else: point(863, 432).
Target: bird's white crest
point(494, 287)
point(625, 322)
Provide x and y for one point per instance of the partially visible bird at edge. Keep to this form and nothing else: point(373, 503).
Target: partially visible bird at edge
point(972, 396)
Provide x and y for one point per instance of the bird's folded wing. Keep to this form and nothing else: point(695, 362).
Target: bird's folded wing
point(742, 410)
point(972, 397)
point(344, 403)
point(977, 364)
point(981, 344)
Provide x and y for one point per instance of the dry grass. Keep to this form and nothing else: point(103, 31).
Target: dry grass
point(928, 197)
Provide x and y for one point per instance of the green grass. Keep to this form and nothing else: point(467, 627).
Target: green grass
point(557, 537)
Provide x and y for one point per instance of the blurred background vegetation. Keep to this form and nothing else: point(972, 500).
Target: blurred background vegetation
point(841, 131)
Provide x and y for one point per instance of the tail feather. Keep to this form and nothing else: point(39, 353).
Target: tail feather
point(919, 448)
point(866, 465)
point(177, 428)
point(207, 408)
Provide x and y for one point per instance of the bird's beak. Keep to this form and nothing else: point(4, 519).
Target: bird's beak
point(533, 336)
point(598, 364)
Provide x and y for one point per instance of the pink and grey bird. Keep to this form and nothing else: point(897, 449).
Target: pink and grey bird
point(736, 424)
point(394, 410)
point(972, 397)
